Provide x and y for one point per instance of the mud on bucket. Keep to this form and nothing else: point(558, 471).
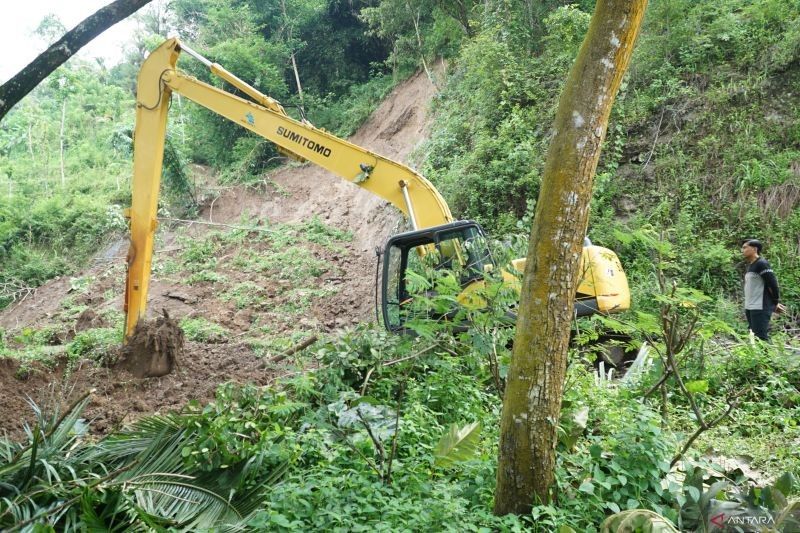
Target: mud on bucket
point(154, 348)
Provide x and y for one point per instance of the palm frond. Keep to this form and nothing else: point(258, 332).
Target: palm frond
point(184, 503)
point(46, 454)
point(161, 486)
point(136, 479)
point(121, 447)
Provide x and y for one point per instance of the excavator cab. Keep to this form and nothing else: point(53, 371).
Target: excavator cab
point(414, 261)
point(417, 262)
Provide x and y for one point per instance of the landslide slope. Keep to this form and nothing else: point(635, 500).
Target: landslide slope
point(263, 268)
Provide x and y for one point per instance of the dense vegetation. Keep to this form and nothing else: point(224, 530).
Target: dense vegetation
point(702, 151)
point(400, 433)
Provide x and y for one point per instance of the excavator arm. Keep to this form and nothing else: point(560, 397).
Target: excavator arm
point(159, 78)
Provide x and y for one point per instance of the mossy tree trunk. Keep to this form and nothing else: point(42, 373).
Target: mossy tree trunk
point(532, 402)
point(37, 70)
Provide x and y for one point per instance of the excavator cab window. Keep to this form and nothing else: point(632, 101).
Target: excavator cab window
point(414, 261)
point(465, 252)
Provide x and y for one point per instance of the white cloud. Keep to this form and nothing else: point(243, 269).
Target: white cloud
point(19, 46)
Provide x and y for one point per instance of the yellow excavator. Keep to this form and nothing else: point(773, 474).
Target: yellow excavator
point(436, 239)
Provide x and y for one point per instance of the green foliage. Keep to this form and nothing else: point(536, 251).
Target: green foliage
point(409, 24)
point(338, 497)
point(230, 36)
point(260, 41)
point(620, 463)
point(345, 114)
point(64, 171)
point(347, 360)
point(765, 426)
point(243, 424)
point(702, 150)
point(637, 520)
point(97, 344)
point(488, 161)
point(317, 232)
point(49, 237)
point(377, 408)
point(751, 35)
point(47, 346)
point(721, 505)
point(716, 172)
point(200, 329)
point(199, 258)
point(245, 294)
point(337, 33)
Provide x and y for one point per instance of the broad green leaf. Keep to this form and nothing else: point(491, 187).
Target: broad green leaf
point(640, 520)
point(786, 483)
point(712, 493)
point(587, 487)
point(280, 520)
point(596, 451)
point(693, 493)
point(382, 420)
point(457, 445)
point(697, 387)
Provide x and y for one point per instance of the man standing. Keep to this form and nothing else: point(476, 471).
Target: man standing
point(761, 295)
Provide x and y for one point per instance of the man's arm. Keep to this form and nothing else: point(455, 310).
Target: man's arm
point(770, 282)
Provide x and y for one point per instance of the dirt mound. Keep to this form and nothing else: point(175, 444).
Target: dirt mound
point(154, 348)
point(253, 296)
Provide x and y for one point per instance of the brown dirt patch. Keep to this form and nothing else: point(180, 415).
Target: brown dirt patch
point(154, 348)
point(343, 292)
point(119, 397)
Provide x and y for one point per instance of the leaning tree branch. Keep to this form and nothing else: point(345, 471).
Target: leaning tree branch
point(372, 436)
point(685, 391)
point(15, 89)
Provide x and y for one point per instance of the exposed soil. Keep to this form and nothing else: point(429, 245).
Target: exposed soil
point(339, 294)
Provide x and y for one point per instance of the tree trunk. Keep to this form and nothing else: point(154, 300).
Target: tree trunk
point(289, 29)
point(297, 79)
point(415, 20)
point(532, 403)
point(30, 142)
point(29, 77)
point(61, 143)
